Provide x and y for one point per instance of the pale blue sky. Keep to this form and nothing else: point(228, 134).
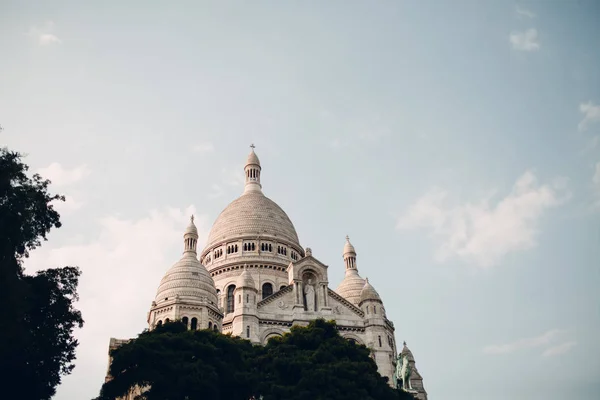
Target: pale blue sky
point(456, 142)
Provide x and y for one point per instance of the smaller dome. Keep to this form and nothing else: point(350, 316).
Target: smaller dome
point(348, 248)
point(187, 279)
point(253, 159)
point(191, 228)
point(351, 287)
point(368, 292)
point(245, 280)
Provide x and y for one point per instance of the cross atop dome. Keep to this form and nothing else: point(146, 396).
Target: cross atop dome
point(252, 146)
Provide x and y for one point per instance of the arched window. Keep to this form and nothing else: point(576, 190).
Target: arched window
point(230, 298)
point(374, 309)
point(215, 328)
point(270, 247)
point(159, 323)
point(253, 247)
point(248, 331)
point(282, 287)
point(209, 325)
point(185, 321)
point(167, 321)
point(267, 290)
point(236, 248)
point(379, 340)
point(194, 325)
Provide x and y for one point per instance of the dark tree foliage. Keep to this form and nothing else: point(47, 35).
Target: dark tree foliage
point(26, 212)
point(50, 319)
point(314, 362)
point(37, 313)
point(178, 364)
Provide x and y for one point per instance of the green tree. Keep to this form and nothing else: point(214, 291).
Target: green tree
point(38, 317)
point(174, 363)
point(314, 362)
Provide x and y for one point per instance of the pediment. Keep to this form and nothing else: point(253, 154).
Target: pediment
point(309, 263)
point(284, 296)
point(340, 305)
point(309, 260)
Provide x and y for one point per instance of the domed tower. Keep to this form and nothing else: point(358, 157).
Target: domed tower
point(187, 291)
point(254, 231)
point(245, 318)
point(352, 284)
point(379, 333)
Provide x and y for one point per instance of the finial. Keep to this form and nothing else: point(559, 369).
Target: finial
point(404, 343)
point(192, 219)
point(366, 280)
point(252, 146)
point(347, 238)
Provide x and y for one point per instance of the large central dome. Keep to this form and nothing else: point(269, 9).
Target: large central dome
point(252, 214)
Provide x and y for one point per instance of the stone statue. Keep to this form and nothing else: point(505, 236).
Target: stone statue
point(405, 372)
point(309, 293)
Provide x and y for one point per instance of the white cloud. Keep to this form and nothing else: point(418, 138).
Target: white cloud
point(523, 12)
point(483, 232)
point(216, 191)
point(69, 205)
point(559, 349)
point(43, 35)
point(121, 268)
point(525, 41)
point(543, 340)
point(591, 114)
point(48, 38)
point(203, 148)
point(61, 176)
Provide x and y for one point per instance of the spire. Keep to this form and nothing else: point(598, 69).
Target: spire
point(252, 172)
point(190, 237)
point(350, 257)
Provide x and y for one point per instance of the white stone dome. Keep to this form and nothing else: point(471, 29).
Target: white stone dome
point(251, 215)
point(252, 159)
point(368, 292)
point(189, 280)
point(348, 248)
point(351, 287)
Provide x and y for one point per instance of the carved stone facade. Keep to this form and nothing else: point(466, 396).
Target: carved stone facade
point(254, 280)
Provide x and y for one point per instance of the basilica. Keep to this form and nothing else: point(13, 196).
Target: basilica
point(253, 279)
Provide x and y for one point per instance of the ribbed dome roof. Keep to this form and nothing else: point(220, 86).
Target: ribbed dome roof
point(348, 248)
point(252, 159)
point(252, 214)
point(191, 228)
point(351, 287)
point(368, 292)
point(188, 279)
